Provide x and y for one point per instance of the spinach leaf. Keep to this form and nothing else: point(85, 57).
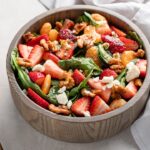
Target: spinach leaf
point(80, 63)
point(83, 18)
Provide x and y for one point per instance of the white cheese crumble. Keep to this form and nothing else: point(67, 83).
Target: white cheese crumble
point(62, 98)
point(38, 67)
point(110, 82)
point(96, 79)
point(69, 104)
point(86, 114)
point(61, 90)
point(133, 72)
point(107, 79)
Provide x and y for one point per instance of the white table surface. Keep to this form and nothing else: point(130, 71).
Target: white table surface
point(15, 133)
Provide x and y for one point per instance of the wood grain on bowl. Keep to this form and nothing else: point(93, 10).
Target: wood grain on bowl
point(78, 129)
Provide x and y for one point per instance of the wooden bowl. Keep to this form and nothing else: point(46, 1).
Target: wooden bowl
point(79, 129)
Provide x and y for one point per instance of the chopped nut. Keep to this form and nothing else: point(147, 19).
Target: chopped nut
point(117, 103)
point(140, 53)
point(58, 25)
point(96, 92)
point(68, 82)
point(79, 27)
point(59, 110)
point(138, 82)
point(44, 44)
point(28, 36)
point(53, 46)
point(24, 62)
point(86, 92)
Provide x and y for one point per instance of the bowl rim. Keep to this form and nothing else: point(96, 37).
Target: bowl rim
point(47, 113)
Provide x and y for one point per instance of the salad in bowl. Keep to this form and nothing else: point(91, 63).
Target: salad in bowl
point(80, 68)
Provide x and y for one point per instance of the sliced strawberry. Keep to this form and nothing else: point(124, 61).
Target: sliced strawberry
point(53, 69)
point(80, 106)
point(24, 50)
point(37, 77)
point(68, 24)
point(108, 72)
point(36, 54)
point(37, 99)
point(129, 91)
point(65, 53)
point(78, 76)
point(98, 107)
point(36, 40)
point(115, 44)
point(129, 44)
point(104, 92)
point(118, 31)
point(141, 64)
point(51, 56)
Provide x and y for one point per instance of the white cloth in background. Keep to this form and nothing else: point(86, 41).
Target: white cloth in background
point(139, 12)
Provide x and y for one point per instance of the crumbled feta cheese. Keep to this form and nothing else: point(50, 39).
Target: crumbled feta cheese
point(133, 72)
point(96, 79)
point(107, 79)
point(62, 98)
point(61, 90)
point(39, 68)
point(116, 82)
point(86, 113)
point(69, 104)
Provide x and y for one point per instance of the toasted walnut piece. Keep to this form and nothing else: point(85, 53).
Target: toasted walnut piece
point(28, 36)
point(116, 91)
point(79, 27)
point(24, 62)
point(140, 53)
point(59, 25)
point(96, 91)
point(138, 82)
point(53, 46)
point(59, 110)
point(44, 44)
point(114, 61)
point(117, 103)
point(88, 93)
point(114, 67)
point(68, 82)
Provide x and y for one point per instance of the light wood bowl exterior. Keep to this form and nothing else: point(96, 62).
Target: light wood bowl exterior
point(84, 129)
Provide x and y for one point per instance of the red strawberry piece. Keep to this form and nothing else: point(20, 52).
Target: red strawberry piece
point(118, 31)
point(53, 69)
point(66, 34)
point(68, 24)
point(104, 93)
point(141, 64)
point(66, 53)
point(80, 106)
point(108, 72)
point(78, 76)
point(37, 99)
point(24, 50)
point(115, 44)
point(36, 54)
point(37, 77)
point(129, 44)
point(36, 40)
point(98, 106)
point(129, 91)
point(51, 56)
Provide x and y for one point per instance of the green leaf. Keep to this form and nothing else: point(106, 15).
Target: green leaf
point(82, 18)
point(122, 74)
point(92, 21)
point(80, 63)
point(103, 55)
point(135, 37)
